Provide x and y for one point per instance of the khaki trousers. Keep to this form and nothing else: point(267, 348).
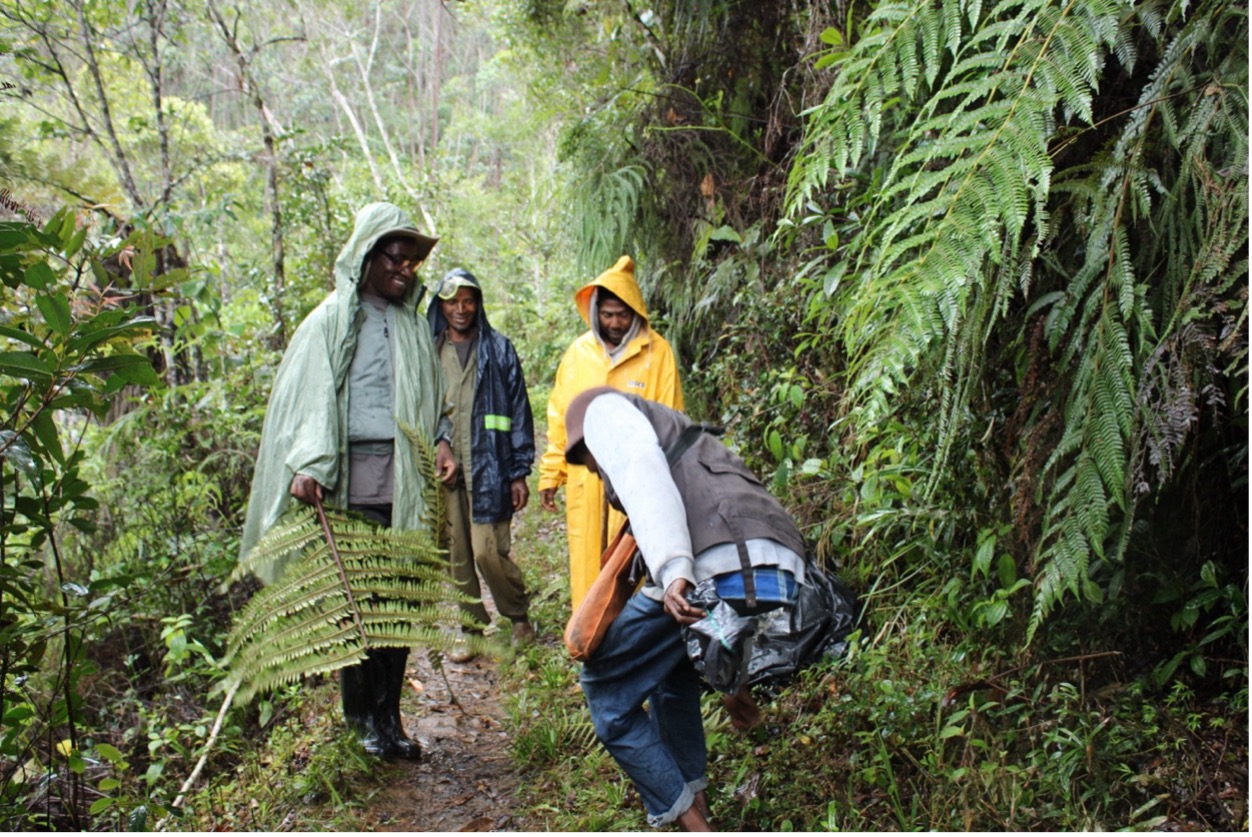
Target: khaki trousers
point(484, 546)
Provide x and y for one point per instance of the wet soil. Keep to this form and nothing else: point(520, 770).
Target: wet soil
point(466, 779)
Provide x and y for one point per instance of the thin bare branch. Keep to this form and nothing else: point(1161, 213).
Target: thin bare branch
point(120, 161)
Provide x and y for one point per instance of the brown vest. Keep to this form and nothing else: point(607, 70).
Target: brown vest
point(725, 501)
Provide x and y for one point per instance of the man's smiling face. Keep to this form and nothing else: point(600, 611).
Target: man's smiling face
point(392, 269)
point(461, 311)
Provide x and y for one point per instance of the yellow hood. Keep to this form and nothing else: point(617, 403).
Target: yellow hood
point(620, 280)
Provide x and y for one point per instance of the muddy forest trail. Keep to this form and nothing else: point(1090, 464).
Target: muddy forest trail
point(468, 777)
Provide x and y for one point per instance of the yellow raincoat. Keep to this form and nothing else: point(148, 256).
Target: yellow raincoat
point(647, 368)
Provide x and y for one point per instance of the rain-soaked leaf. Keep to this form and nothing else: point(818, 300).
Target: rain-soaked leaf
point(17, 452)
point(73, 588)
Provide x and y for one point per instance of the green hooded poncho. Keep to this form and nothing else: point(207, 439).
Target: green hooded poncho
point(306, 423)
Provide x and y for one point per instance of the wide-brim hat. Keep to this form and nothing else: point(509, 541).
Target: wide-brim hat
point(424, 242)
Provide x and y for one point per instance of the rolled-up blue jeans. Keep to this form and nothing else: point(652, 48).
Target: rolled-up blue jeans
point(662, 750)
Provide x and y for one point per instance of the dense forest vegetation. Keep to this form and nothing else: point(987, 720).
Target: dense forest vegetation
point(966, 281)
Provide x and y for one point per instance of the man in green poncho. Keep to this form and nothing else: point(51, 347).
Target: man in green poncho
point(361, 362)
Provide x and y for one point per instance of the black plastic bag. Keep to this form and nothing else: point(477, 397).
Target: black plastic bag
point(729, 650)
point(721, 642)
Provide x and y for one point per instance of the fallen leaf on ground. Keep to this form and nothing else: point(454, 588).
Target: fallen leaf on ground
point(479, 824)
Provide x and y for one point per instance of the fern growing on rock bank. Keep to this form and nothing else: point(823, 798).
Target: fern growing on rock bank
point(1051, 269)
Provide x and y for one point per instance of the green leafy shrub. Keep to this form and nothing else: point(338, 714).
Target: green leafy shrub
point(68, 350)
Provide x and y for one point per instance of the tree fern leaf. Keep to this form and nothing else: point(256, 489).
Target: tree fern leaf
point(930, 29)
point(398, 587)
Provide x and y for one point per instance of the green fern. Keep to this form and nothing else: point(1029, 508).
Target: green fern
point(965, 177)
point(307, 624)
point(1114, 336)
point(960, 114)
point(436, 501)
point(379, 587)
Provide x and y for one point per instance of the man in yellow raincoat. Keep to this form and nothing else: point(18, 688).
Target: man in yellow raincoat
point(622, 351)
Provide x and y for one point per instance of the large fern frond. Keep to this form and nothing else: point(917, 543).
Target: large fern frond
point(1138, 324)
point(959, 114)
point(966, 173)
point(375, 587)
point(306, 623)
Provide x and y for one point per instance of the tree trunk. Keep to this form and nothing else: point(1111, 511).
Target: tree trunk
point(120, 160)
point(155, 20)
point(277, 339)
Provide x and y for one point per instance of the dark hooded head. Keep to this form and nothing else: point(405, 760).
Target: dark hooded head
point(457, 304)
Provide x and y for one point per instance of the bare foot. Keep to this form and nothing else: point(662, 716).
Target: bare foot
point(693, 820)
point(743, 711)
point(702, 804)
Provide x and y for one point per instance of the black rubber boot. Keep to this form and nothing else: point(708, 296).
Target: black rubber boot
point(387, 720)
point(358, 685)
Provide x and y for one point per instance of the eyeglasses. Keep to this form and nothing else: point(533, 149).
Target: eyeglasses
point(398, 263)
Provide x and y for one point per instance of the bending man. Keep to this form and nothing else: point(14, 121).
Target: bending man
point(706, 516)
